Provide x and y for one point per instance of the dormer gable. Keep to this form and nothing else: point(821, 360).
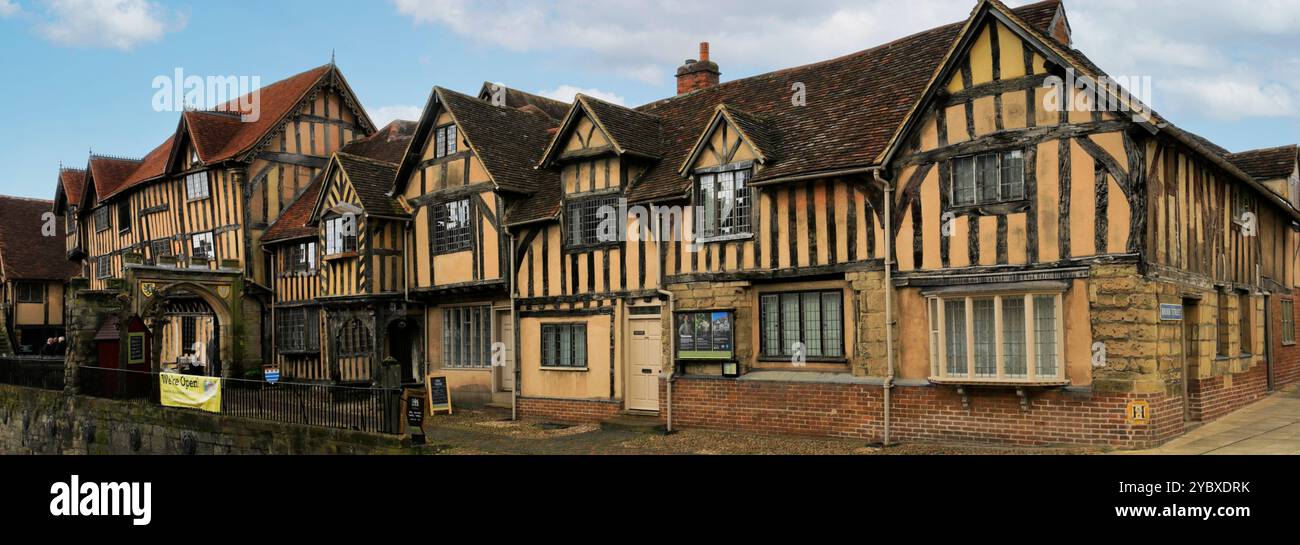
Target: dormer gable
point(731, 137)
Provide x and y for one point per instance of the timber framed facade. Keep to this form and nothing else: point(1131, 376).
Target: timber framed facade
point(932, 235)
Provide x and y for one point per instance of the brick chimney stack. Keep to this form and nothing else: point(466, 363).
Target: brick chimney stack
point(701, 74)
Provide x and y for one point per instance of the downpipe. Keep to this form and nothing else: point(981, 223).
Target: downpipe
point(672, 362)
point(888, 385)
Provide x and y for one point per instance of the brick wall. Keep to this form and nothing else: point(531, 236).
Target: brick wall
point(578, 411)
point(1286, 358)
point(926, 413)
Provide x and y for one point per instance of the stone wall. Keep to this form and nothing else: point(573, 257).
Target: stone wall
point(43, 422)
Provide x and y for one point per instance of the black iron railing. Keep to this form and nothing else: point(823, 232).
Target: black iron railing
point(32, 372)
point(364, 409)
point(351, 408)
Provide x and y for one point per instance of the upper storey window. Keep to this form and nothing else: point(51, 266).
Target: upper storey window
point(723, 204)
point(341, 235)
point(444, 142)
point(989, 178)
point(583, 218)
point(196, 186)
point(453, 227)
point(102, 220)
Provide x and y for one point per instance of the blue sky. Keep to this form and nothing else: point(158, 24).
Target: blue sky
point(79, 72)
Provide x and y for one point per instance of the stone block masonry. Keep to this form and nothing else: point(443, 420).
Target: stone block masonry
point(44, 422)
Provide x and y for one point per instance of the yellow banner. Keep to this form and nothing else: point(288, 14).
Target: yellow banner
point(191, 392)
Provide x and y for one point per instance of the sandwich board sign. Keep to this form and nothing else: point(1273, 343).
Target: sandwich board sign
point(439, 394)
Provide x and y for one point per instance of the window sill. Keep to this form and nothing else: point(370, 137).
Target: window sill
point(591, 247)
point(566, 369)
point(994, 381)
point(725, 238)
point(1288, 343)
point(342, 256)
point(451, 368)
point(437, 253)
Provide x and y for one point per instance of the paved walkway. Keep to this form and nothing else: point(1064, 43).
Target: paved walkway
point(1269, 426)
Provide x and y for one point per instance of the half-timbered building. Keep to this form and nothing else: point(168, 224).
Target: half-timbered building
point(179, 230)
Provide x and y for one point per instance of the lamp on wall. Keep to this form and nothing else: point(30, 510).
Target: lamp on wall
point(731, 369)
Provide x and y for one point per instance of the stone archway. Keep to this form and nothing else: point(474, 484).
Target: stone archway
point(153, 312)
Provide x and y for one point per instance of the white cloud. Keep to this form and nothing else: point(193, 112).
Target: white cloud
point(1238, 55)
point(387, 114)
point(118, 24)
point(8, 7)
point(567, 92)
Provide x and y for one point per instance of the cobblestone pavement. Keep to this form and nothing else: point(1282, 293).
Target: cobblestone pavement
point(1268, 426)
point(491, 432)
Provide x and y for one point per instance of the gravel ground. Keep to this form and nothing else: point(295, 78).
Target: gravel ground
point(491, 432)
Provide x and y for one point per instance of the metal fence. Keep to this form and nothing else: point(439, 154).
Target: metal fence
point(364, 409)
point(350, 408)
point(32, 372)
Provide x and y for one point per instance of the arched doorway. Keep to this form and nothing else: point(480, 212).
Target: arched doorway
point(191, 337)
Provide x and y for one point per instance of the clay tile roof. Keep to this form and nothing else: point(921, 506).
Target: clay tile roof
point(25, 253)
point(388, 144)
point(72, 182)
point(860, 100)
point(555, 109)
point(211, 132)
point(276, 101)
point(109, 174)
point(759, 130)
point(152, 166)
point(632, 131)
point(293, 223)
point(1267, 164)
point(372, 179)
point(507, 140)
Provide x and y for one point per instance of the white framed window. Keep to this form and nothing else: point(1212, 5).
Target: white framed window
point(723, 204)
point(341, 235)
point(996, 338)
point(196, 186)
point(444, 142)
point(988, 178)
point(203, 246)
point(467, 337)
point(301, 258)
point(104, 267)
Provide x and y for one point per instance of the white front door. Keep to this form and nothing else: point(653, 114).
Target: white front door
point(505, 334)
point(645, 362)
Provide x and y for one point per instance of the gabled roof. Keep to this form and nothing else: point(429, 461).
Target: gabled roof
point(295, 221)
point(152, 167)
point(757, 132)
point(506, 140)
point(1268, 163)
point(521, 100)
point(370, 163)
point(72, 182)
point(371, 179)
point(224, 134)
point(628, 131)
point(107, 175)
point(25, 252)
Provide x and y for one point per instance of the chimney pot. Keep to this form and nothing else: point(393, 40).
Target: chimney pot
point(704, 51)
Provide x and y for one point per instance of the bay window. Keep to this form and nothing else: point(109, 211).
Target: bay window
point(999, 338)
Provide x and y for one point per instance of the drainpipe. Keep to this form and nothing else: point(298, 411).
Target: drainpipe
point(889, 299)
point(514, 325)
point(672, 362)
